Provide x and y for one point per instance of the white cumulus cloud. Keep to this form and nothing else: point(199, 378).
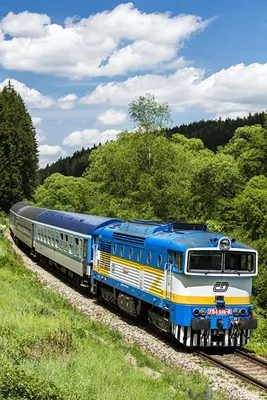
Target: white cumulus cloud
point(25, 24)
point(47, 150)
point(108, 43)
point(67, 102)
point(232, 92)
point(112, 117)
point(89, 137)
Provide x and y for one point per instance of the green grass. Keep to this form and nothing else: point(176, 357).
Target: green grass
point(258, 342)
point(50, 351)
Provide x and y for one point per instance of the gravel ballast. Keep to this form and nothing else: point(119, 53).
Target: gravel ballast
point(219, 380)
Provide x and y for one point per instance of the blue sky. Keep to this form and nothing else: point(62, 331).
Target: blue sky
point(77, 65)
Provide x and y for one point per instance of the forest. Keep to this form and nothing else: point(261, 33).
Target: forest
point(152, 174)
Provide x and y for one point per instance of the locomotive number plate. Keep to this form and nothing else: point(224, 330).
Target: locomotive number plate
point(216, 311)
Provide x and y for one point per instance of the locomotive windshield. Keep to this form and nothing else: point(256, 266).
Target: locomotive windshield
point(221, 262)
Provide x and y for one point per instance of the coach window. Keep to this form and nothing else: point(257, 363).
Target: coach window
point(131, 253)
point(52, 238)
point(42, 234)
point(49, 236)
point(114, 249)
point(45, 235)
point(139, 254)
point(159, 260)
point(122, 251)
point(81, 248)
point(57, 240)
point(66, 242)
point(149, 258)
point(61, 240)
point(38, 233)
point(71, 245)
point(76, 247)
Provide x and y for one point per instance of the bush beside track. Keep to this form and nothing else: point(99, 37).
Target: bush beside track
point(49, 350)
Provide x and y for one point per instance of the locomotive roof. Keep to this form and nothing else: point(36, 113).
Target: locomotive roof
point(31, 212)
point(189, 239)
point(82, 223)
point(16, 207)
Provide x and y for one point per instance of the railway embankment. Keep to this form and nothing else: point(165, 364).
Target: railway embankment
point(50, 348)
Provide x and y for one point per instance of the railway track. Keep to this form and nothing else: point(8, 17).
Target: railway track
point(249, 368)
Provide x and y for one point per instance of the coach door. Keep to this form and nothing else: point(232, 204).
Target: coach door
point(86, 267)
point(168, 275)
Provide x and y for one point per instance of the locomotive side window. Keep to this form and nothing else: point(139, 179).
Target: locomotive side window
point(131, 253)
point(122, 251)
point(159, 260)
point(139, 254)
point(114, 249)
point(149, 258)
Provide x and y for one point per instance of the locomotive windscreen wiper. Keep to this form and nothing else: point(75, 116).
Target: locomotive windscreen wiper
point(213, 268)
point(231, 269)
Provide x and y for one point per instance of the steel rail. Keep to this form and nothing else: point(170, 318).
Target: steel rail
point(236, 371)
point(251, 357)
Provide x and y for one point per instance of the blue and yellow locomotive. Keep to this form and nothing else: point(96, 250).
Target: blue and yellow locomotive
point(182, 278)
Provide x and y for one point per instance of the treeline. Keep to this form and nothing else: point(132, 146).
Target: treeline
point(74, 165)
point(214, 133)
point(18, 150)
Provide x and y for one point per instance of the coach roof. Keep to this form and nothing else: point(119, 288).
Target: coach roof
point(81, 223)
point(31, 212)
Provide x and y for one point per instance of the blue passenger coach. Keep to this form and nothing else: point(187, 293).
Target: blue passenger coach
point(183, 279)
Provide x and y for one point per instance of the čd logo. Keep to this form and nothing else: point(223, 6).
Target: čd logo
point(220, 286)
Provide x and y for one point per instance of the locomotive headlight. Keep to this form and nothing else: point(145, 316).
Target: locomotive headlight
point(224, 244)
point(203, 312)
point(236, 312)
point(243, 312)
point(196, 312)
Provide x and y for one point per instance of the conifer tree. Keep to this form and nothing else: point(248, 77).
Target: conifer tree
point(18, 150)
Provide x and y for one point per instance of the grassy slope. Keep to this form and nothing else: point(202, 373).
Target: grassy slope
point(49, 350)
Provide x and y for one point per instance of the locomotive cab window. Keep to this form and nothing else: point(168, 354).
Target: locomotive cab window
point(205, 261)
point(239, 262)
point(175, 260)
